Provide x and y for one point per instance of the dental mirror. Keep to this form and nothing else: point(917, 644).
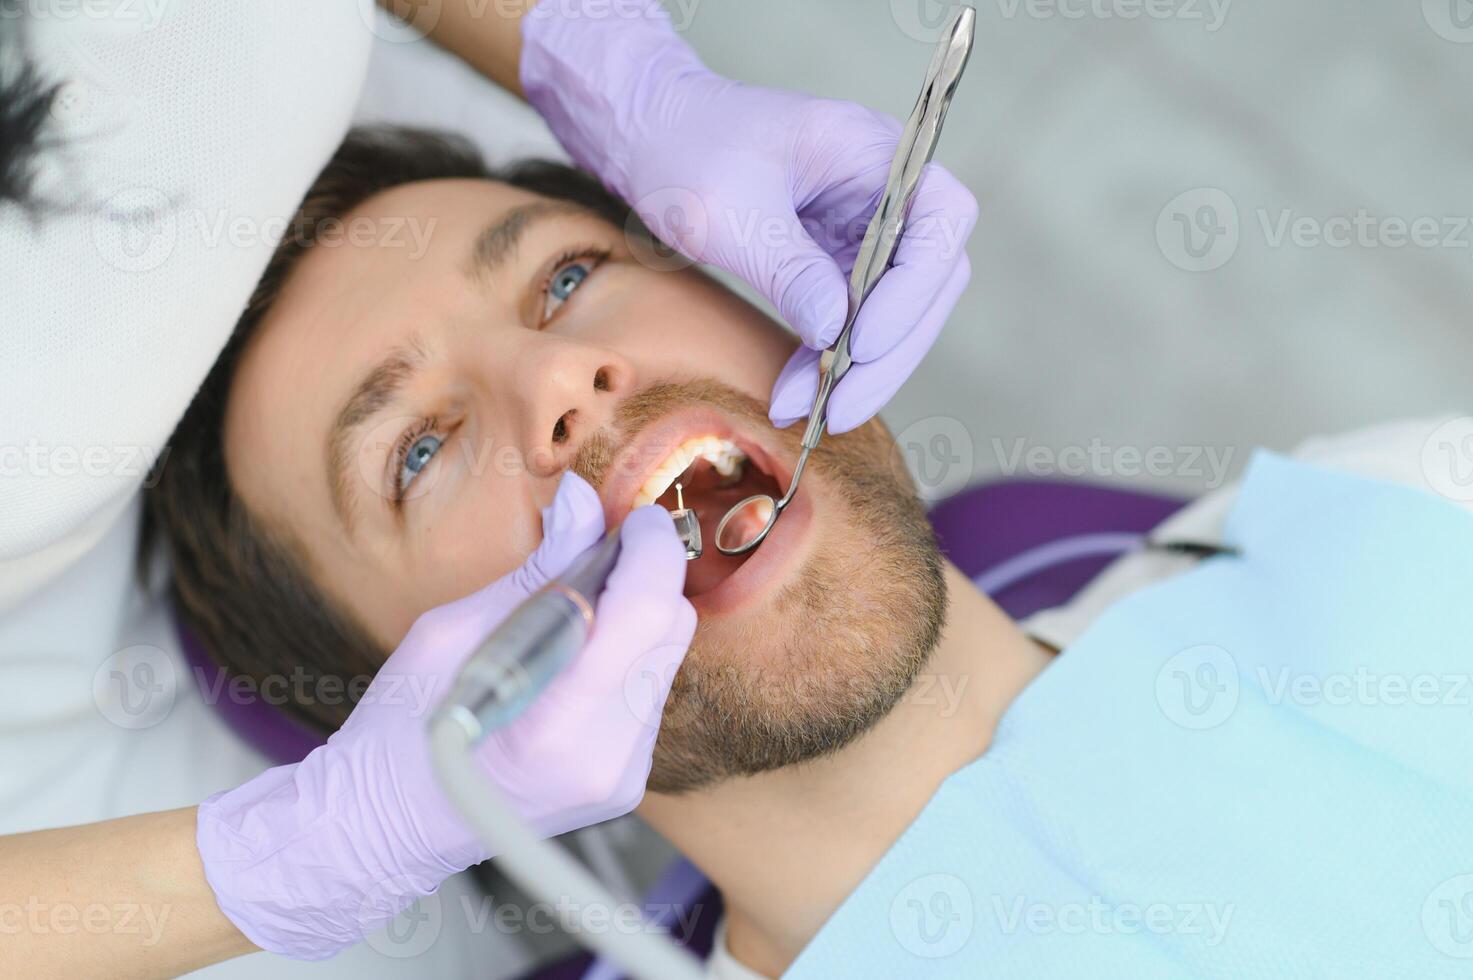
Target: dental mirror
point(748, 522)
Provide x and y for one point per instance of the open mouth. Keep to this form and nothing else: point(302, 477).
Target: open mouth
point(714, 474)
point(715, 468)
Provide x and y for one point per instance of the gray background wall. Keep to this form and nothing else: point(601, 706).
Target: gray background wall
point(1075, 134)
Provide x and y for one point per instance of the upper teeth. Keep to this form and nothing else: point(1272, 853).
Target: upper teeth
point(723, 454)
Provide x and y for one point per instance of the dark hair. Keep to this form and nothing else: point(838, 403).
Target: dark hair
point(25, 99)
point(240, 586)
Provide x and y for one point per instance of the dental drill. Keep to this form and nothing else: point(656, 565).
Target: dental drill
point(505, 675)
point(542, 635)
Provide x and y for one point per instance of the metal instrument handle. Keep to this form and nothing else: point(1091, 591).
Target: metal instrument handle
point(881, 237)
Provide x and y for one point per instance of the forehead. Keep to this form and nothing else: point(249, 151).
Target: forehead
point(397, 260)
point(389, 255)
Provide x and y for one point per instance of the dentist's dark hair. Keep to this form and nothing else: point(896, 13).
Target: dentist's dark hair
point(25, 100)
point(239, 584)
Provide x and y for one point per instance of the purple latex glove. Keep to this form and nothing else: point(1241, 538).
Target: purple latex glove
point(773, 186)
point(308, 859)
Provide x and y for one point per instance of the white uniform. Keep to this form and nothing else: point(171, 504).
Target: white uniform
point(188, 131)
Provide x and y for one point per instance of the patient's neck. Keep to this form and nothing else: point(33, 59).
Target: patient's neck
point(786, 847)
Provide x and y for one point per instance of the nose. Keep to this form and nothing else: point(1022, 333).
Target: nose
point(570, 392)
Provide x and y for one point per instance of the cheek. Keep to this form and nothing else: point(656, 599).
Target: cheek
point(455, 552)
point(685, 325)
point(470, 546)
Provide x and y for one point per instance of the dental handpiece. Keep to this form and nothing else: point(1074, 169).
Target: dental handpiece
point(532, 646)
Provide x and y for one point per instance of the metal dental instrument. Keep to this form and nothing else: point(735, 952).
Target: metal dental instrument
point(687, 525)
point(748, 522)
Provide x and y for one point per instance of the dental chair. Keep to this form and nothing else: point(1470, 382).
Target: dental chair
point(1029, 544)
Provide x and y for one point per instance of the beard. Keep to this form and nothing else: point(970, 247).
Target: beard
point(819, 663)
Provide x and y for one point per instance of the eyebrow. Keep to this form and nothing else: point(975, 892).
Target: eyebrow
point(373, 393)
point(498, 242)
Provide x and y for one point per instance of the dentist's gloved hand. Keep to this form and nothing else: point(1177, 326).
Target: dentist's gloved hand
point(308, 859)
point(773, 186)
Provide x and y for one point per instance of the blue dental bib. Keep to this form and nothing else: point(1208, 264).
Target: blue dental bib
point(1263, 767)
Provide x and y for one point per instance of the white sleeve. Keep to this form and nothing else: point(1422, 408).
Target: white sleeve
point(184, 135)
point(1434, 455)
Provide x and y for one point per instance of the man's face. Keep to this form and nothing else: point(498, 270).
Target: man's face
point(406, 408)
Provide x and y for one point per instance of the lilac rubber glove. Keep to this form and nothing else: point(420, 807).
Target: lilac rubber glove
point(772, 186)
point(308, 859)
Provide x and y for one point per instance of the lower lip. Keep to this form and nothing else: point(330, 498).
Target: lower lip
point(762, 571)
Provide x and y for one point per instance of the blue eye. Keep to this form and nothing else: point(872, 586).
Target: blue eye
point(566, 277)
point(418, 456)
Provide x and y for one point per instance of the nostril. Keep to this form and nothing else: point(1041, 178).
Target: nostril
point(560, 429)
point(601, 380)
